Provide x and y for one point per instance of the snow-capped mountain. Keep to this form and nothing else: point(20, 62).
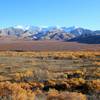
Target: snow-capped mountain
point(47, 33)
point(69, 29)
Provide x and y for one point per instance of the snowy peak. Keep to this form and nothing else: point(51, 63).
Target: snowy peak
point(45, 33)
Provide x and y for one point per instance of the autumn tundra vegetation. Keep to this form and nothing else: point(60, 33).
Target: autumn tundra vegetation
point(63, 75)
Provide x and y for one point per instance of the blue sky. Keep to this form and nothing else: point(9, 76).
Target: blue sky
point(82, 13)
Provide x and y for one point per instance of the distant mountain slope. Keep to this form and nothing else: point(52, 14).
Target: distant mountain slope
point(95, 39)
point(86, 36)
point(52, 33)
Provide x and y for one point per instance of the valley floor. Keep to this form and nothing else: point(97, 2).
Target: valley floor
point(45, 45)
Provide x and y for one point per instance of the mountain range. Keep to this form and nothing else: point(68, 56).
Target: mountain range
point(52, 33)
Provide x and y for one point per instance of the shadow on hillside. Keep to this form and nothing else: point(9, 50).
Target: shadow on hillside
point(87, 40)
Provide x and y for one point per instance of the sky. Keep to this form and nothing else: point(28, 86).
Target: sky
point(79, 13)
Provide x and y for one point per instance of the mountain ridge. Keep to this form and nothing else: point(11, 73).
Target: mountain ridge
point(51, 33)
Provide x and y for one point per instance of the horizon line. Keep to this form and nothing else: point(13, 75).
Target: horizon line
point(44, 26)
